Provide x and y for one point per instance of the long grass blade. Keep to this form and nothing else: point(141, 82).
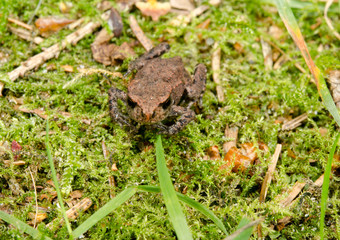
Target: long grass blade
point(325, 186)
point(34, 233)
point(289, 20)
point(191, 203)
point(172, 204)
point(55, 181)
point(104, 211)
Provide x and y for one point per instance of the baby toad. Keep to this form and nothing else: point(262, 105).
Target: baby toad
point(161, 93)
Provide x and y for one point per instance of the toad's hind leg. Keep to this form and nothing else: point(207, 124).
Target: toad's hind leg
point(115, 113)
point(155, 52)
point(186, 116)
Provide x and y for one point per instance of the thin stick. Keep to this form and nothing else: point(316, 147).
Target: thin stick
point(21, 24)
point(36, 200)
point(328, 21)
point(142, 38)
point(269, 174)
point(294, 192)
point(294, 123)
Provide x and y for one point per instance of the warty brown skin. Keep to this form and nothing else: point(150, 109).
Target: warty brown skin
point(161, 89)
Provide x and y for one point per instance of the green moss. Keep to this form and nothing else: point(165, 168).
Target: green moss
point(254, 99)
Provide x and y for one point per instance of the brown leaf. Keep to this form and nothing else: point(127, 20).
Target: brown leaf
point(115, 22)
point(49, 25)
point(111, 54)
point(153, 9)
point(237, 160)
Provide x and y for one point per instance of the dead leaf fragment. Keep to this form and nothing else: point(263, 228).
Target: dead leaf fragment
point(115, 22)
point(153, 9)
point(213, 153)
point(111, 54)
point(67, 68)
point(50, 25)
point(40, 216)
point(76, 194)
point(242, 158)
point(235, 159)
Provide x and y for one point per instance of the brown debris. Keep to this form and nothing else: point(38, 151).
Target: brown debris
point(294, 192)
point(230, 133)
point(65, 7)
point(294, 123)
point(142, 38)
point(111, 54)
point(242, 158)
point(213, 153)
point(267, 55)
point(215, 65)
point(115, 22)
point(15, 163)
point(328, 21)
point(49, 25)
point(153, 8)
point(26, 35)
point(21, 24)
point(73, 213)
point(37, 218)
point(67, 68)
point(271, 168)
point(185, 19)
point(185, 5)
point(52, 51)
point(76, 194)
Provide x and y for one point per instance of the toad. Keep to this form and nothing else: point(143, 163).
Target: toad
point(161, 93)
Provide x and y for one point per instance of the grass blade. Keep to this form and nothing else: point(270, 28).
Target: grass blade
point(105, 210)
point(176, 214)
point(192, 203)
point(289, 20)
point(325, 186)
point(34, 233)
point(55, 181)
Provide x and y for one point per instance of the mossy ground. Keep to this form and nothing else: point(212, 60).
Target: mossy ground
point(254, 99)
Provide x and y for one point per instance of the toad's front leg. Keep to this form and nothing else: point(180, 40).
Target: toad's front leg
point(155, 52)
point(115, 113)
point(186, 116)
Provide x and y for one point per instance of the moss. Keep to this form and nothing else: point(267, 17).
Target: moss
point(254, 99)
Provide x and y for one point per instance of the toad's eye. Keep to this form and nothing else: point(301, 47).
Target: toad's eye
point(166, 104)
point(131, 103)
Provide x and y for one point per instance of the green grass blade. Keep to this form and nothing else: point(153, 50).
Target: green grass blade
point(34, 233)
point(55, 181)
point(105, 210)
point(192, 203)
point(325, 186)
point(172, 204)
point(289, 20)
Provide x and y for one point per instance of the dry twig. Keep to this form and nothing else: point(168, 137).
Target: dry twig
point(294, 123)
point(269, 174)
point(26, 35)
point(21, 24)
point(142, 38)
point(294, 192)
